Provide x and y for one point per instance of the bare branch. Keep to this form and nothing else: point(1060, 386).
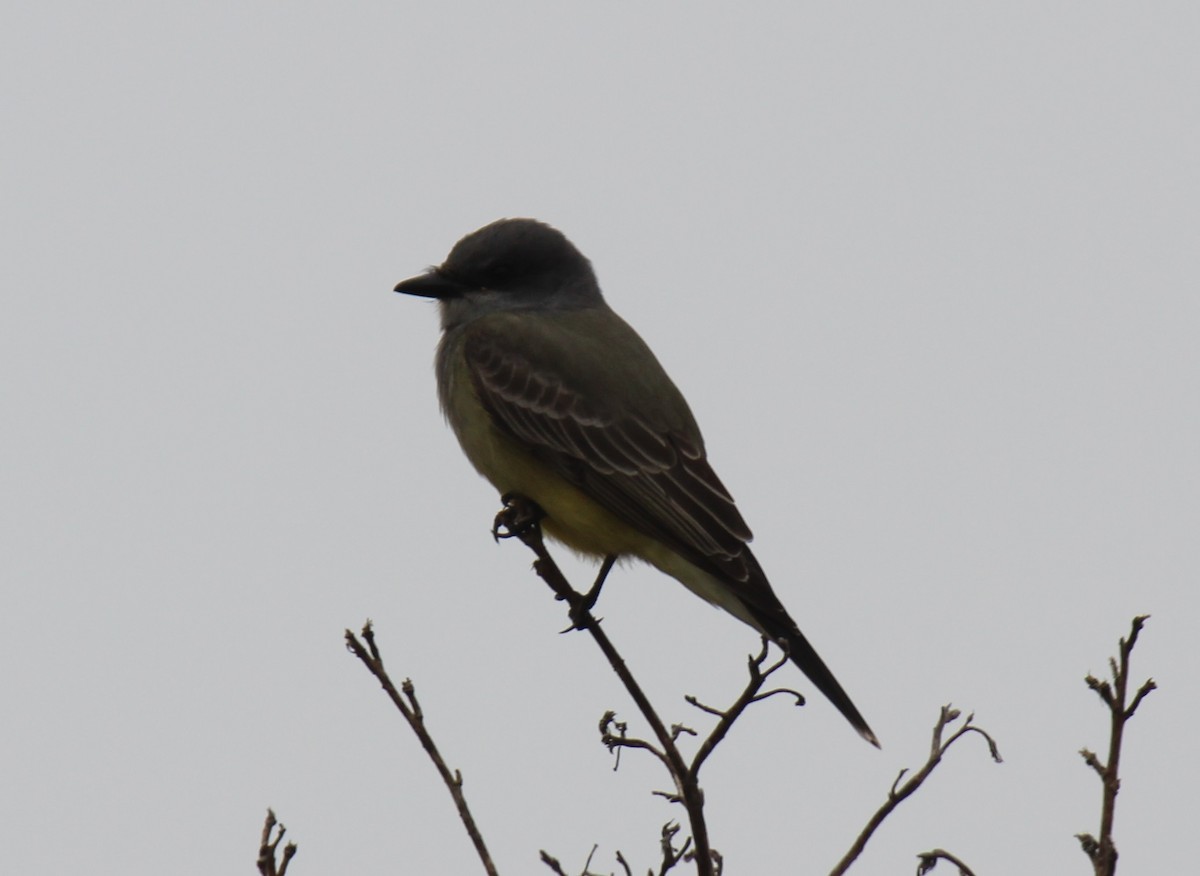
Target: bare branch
point(267, 847)
point(1135, 629)
point(671, 856)
point(614, 742)
point(1143, 691)
point(408, 706)
point(678, 730)
point(750, 694)
point(1091, 760)
point(800, 701)
point(1101, 850)
point(520, 519)
point(928, 860)
point(702, 707)
point(898, 793)
point(624, 864)
point(1088, 843)
point(993, 749)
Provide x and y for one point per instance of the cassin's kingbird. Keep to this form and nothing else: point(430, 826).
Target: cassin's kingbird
point(555, 398)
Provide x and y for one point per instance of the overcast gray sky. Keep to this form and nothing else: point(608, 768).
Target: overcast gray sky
point(951, 249)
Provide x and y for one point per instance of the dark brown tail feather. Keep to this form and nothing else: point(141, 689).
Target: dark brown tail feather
point(779, 626)
point(804, 656)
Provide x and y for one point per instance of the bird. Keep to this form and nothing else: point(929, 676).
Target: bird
point(554, 397)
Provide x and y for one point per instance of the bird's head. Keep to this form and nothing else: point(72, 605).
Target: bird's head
point(511, 264)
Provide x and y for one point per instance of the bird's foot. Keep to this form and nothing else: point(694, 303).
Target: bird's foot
point(589, 598)
point(581, 607)
point(518, 516)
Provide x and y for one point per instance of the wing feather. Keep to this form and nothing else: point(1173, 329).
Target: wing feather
point(655, 477)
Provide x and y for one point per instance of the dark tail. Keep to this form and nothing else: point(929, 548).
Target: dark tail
point(773, 619)
point(810, 663)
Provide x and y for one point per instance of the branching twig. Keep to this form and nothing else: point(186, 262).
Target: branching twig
point(614, 742)
point(520, 519)
point(411, 710)
point(269, 844)
point(899, 792)
point(1103, 852)
point(670, 855)
point(750, 694)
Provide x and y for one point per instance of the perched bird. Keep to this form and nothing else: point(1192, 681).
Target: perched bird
point(555, 398)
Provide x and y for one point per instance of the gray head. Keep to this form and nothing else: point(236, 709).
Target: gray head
point(511, 264)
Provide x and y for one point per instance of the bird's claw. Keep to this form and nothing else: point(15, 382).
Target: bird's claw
point(518, 516)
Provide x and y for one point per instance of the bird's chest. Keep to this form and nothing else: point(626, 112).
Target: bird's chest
point(493, 454)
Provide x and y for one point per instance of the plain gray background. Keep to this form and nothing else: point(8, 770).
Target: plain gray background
point(927, 272)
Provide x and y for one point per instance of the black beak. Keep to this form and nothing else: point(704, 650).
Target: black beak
point(430, 285)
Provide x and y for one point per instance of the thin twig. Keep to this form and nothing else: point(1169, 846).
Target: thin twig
point(900, 792)
point(556, 866)
point(670, 855)
point(624, 864)
point(552, 862)
point(269, 844)
point(928, 860)
point(749, 694)
point(411, 710)
point(1102, 852)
